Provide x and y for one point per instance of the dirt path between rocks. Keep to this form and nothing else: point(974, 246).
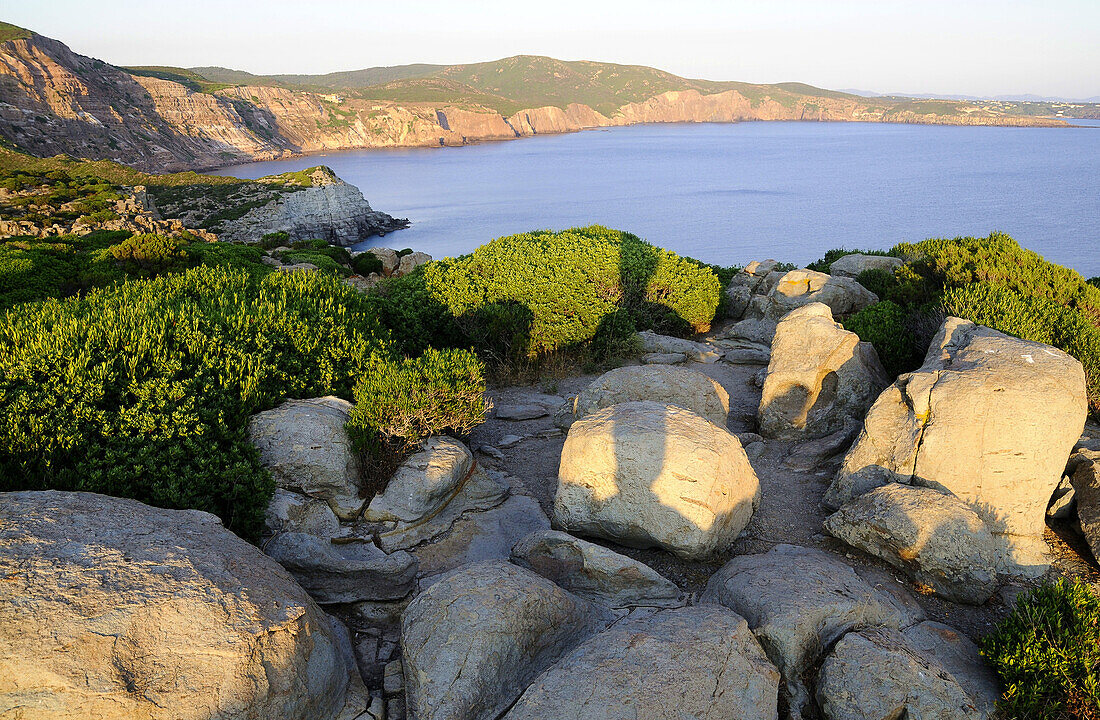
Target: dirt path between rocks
point(790, 509)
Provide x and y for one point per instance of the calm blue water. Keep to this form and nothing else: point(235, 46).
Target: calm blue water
point(733, 193)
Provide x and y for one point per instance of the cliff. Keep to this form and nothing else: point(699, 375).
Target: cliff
point(56, 101)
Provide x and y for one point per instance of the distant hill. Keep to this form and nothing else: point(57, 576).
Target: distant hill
point(163, 118)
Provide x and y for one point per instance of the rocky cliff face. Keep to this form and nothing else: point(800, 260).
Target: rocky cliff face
point(331, 210)
point(55, 101)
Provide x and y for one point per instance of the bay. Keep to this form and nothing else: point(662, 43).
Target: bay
point(732, 193)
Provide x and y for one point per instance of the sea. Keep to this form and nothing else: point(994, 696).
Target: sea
point(732, 193)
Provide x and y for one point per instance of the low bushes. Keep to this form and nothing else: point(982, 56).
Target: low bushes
point(525, 296)
point(1047, 653)
point(886, 326)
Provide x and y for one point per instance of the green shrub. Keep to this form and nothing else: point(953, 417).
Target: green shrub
point(144, 389)
point(1047, 653)
point(229, 255)
point(879, 281)
point(366, 263)
point(321, 260)
point(886, 325)
point(568, 282)
point(270, 241)
point(442, 390)
point(149, 253)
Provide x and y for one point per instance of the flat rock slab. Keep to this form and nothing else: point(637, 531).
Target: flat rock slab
point(797, 601)
point(935, 538)
point(694, 351)
point(681, 387)
point(876, 674)
point(594, 572)
point(698, 662)
point(343, 573)
point(646, 474)
point(473, 641)
point(112, 609)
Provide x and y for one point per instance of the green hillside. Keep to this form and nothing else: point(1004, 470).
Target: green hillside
point(13, 32)
point(329, 81)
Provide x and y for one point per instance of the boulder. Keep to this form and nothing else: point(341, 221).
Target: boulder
point(987, 417)
point(112, 609)
point(293, 512)
point(852, 265)
point(593, 572)
point(665, 345)
point(423, 483)
point(821, 379)
point(474, 640)
point(304, 445)
point(875, 674)
point(645, 474)
point(956, 654)
point(684, 388)
point(696, 662)
point(744, 285)
point(410, 262)
point(935, 538)
point(844, 296)
point(1086, 491)
point(389, 259)
point(797, 601)
point(663, 358)
point(345, 572)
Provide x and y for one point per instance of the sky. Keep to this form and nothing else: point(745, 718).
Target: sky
point(967, 47)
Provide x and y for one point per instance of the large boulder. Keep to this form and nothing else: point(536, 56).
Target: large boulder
point(875, 674)
point(935, 538)
point(688, 389)
point(423, 483)
point(696, 662)
point(852, 265)
point(593, 572)
point(798, 601)
point(345, 572)
point(304, 445)
point(821, 379)
point(410, 262)
point(1086, 492)
point(989, 418)
point(473, 641)
point(113, 609)
point(796, 288)
point(645, 474)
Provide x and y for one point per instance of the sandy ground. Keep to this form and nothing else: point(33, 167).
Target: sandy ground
point(790, 510)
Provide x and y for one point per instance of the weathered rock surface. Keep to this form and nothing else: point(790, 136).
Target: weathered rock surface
point(474, 640)
point(293, 512)
point(989, 418)
point(344, 572)
point(935, 538)
point(1086, 491)
point(330, 209)
point(796, 288)
point(956, 654)
point(412, 261)
point(821, 379)
point(875, 674)
point(645, 474)
point(666, 345)
point(854, 264)
point(424, 483)
point(388, 257)
point(114, 609)
point(684, 388)
point(304, 445)
point(593, 572)
point(698, 662)
point(797, 601)
point(745, 284)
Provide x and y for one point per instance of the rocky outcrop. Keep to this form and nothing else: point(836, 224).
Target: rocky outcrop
point(474, 640)
point(114, 609)
point(329, 209)
point(304, 445)
point(821, 379)
point(757, 278)
point(593, 572)
point(988, 418)
point(935, 538)
point(345, 572)
point(698, 662)
point(645, 474)
point(674, 386)
point(293, 512)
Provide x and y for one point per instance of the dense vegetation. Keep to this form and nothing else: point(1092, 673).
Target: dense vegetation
point(992, 281)
point(1047, 654)
point(524, 297)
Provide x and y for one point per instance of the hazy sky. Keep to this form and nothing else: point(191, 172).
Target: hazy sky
point(979, 47)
